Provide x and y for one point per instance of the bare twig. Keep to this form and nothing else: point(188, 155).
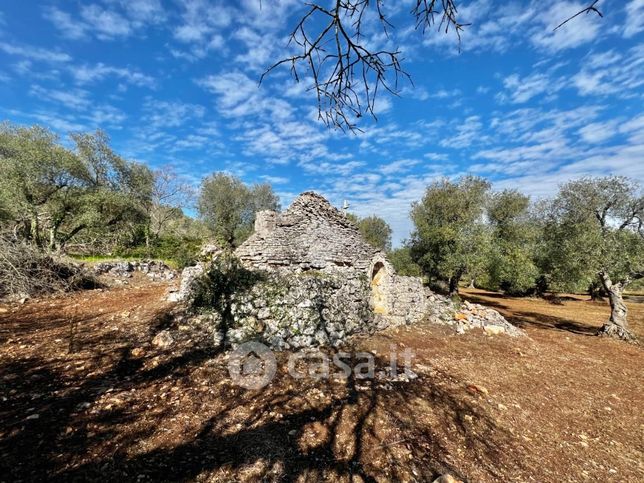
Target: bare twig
point(589, 9)
point(347, 74)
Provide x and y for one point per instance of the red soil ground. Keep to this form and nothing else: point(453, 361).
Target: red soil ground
point(84, 395)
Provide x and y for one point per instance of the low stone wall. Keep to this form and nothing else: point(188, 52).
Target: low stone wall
point(153, 269)
point(396, 300)
point(310, 309)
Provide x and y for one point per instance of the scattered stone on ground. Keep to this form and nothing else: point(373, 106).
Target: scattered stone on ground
point(104, 415)
point(163, 340)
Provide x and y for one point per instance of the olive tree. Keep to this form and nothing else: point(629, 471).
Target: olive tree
point(450, 236)
point(53, 194)
point(374, 230)
point(228, 206)
point(595, 228)
point(36, 172)
point(512, 265)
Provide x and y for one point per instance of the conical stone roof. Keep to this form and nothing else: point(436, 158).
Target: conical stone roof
point(310, 235)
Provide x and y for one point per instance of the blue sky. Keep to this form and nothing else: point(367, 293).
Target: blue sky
point(176, 83)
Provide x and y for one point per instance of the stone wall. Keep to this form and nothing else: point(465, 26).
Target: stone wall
point(395, 299)
point(310, 308)
point(304, 310)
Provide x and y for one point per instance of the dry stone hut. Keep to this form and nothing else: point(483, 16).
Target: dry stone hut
point(312, 235)
point(315, 281)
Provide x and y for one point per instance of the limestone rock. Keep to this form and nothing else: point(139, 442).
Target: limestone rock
point(154, 270)
point(447, 478)
point(188, 277)
point(163, 340)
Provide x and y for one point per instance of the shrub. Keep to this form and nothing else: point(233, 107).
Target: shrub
point(25, 271)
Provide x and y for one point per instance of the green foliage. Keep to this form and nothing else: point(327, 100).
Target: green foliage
point(512, 269)
point(403, 263)
point(177, 251)
point(376, 231)
point(225, 278)
point(593, 226)
point(450, 236)
point(512, 266)
point(53, 195)
point(228, 206)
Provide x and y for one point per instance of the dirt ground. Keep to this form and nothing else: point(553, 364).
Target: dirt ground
point(85, 396)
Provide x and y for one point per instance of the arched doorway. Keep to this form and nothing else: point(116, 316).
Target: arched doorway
point(378, 296)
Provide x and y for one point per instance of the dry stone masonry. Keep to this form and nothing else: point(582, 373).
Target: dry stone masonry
point(154, 270)
point(306, 277)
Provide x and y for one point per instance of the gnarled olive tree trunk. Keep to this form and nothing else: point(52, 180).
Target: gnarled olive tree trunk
point(617, 324)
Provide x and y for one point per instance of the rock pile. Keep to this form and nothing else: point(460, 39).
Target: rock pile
point(153, 269)
point(442, 310)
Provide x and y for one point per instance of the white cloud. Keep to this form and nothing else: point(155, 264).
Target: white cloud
point(144, 11)
point(240, 96)
point(35, 53)
point(583, 29)
point(64, 22)
point(275, 179)
point(260, 51)
point(117, 20)
point(397, 167)
point(524, 89)
point(77, 99)
point(500, 28)
point(467, 133)
point(612, 73)
point(86, 74)
point(106, 24)
point(598, 132)
point(491, 28)
point(202, 28)
point(634, 11)
point(170, 114)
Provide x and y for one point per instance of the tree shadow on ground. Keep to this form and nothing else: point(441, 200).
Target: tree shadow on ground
point(525, 319)
point(372, 429)
point(44, 407)
point(350, 437)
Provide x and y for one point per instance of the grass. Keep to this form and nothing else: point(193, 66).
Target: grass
point(92, 259)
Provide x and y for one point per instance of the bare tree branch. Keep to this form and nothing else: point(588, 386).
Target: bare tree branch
point(347, 71)
point(589, 9)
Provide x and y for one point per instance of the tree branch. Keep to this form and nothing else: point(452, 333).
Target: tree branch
point(589, 9)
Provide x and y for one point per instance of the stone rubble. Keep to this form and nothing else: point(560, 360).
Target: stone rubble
point(154, 270)
point(468, 316)
point(163, 340)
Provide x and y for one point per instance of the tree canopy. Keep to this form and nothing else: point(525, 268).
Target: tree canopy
point(228, 206)
point(53, 194)
point(595, 231)
point(374, 229)
point(450, 236)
